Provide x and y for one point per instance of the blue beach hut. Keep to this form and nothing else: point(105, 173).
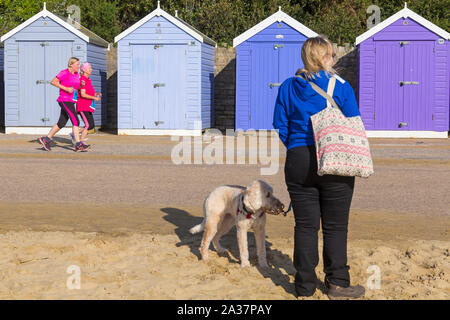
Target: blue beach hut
point(34, 52)
point(2, 90)
point(165, 77)
point(266, 55)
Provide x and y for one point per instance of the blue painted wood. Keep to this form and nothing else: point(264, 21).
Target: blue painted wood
point(158, 96)
point(265, 62)
point(57, 54)
point(31, 91)
point(186, 68)
point(2, 89)
point(424, 107)
point(259, 63)
point(207, 83)
point(96, 56)
point(59, 45)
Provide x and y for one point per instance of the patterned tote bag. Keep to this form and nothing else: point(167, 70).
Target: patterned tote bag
point(341, 143)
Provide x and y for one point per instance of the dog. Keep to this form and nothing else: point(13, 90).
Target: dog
point(246, 208)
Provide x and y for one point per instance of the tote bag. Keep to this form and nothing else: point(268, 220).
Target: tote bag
point(341, 143)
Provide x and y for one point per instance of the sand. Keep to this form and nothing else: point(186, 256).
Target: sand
point(151, 266)
point(121, 214)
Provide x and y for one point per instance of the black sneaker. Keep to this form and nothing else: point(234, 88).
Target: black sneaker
point(340, 293)
point(45, 141)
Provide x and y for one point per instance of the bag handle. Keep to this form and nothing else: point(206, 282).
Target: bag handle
point(327, 95)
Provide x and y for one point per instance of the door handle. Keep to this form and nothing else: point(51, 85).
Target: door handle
point(156, 85)
point(276, 46)
point(40, 81)
point(403, 124)
point(271, 85)
point(157, 123)
point(402, 83)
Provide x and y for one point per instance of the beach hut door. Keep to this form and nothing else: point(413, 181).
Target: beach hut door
point(31, 84)
point(404, 85)
point(158, 86)
point(271, 64)
point(39, 63)
point(56, 57)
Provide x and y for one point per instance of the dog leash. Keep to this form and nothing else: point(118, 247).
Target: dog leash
point(289, 209)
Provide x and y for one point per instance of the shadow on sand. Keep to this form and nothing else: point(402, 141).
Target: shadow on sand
point(277, 260)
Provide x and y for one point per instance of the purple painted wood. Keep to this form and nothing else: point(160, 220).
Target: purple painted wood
point(418, 67)
point(259, 63)
point(389, 94)
point(383, 62)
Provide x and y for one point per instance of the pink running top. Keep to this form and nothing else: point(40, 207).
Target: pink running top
point(85, 104)
point(67, 79)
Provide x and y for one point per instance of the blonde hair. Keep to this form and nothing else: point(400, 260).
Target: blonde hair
point(72, 61)
point(313, 52)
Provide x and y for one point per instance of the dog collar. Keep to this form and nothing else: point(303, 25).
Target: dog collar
point(244, 210)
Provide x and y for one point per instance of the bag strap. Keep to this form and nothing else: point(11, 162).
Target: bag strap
point(327, 95)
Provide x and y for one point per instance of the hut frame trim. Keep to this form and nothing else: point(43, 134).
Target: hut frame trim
point(404, 13)
point(279, 16)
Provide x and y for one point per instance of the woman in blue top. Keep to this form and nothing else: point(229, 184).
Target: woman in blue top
point(316, 198)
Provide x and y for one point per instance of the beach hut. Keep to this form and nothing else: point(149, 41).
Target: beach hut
point(266, 55)
point(404, 67)
point(165, 77)
point(2, 90)
point(35, 51)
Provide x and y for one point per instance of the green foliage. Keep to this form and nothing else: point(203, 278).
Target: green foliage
point(222, 20)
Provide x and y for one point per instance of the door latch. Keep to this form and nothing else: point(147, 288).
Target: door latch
point(402, 83)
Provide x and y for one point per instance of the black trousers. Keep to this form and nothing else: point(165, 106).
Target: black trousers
point(68, 111)
point(316, 199)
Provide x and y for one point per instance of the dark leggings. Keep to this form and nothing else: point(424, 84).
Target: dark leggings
point(68, 111)
point(316, 199)
point(88, 119)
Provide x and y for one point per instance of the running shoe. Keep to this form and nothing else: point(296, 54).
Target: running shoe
point(87, 146)
point(45, 141)
point(80, 147)
point(73, 138)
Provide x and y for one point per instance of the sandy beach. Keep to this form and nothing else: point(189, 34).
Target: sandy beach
point(121, 215)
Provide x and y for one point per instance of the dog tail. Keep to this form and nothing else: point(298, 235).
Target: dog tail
point(198, 228)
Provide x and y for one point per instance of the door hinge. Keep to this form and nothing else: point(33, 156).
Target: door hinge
point(374, 116)
point(375, 50)
point(432, 117)
point(251, 52)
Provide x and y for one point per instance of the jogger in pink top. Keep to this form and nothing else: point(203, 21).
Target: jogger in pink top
point(67, 81)
point(86, 101)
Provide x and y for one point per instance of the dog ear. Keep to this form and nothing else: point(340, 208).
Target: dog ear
point(254, 196)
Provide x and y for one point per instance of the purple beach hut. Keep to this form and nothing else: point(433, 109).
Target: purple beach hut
point(404, 67)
